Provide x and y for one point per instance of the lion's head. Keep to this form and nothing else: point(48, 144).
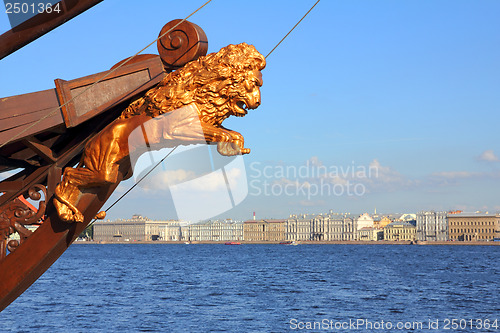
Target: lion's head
point(220, 84)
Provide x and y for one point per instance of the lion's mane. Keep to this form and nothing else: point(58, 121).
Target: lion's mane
point(210, 82)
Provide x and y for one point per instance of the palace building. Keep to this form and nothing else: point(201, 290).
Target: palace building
point(264, 230)
point(399, 231)
point(432, 226)
point(138, 228)
point(474, 226)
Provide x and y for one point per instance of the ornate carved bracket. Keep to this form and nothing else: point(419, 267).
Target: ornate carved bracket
point(16, 214)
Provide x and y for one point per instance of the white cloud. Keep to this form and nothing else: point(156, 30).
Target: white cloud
point(164, 179)
point(386, 178)
point(453, 178)
point(209, 195)
point(285, 181)
point(214, 181)
point(455, 174)
point(385, 174)
point(375, 176)
point(489, 156)
point(336, 180)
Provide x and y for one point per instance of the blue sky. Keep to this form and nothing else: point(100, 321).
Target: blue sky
point(410, 88)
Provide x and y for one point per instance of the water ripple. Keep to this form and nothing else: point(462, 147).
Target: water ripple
point(254, 288)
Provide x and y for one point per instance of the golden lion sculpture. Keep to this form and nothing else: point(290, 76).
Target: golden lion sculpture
point(207, 91)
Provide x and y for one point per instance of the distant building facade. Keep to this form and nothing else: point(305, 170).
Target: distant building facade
point(349, 229)
point(364, 221)
point(140, 228)
point(327, 227)
point(474, 226)
point(298, 228)
point(212, 231)
point(400, 231)
point(335, 229)
point(173, 232)
point(371, 234)
point(319, 227)
point(264, 230)
point(384, 221)
point(432, 226)
point(322, 227)
point(137, 228)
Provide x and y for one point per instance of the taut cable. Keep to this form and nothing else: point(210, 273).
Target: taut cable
point(137, 183)
point(99, 80)
point(131, 188)
point(289, 32)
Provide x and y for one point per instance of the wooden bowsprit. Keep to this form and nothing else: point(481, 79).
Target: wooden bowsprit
point(48, 132)
point(45, 132)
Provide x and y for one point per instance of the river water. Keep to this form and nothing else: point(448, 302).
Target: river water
point(263, 288)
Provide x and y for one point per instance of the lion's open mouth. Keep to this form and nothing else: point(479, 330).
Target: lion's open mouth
point(240, 109)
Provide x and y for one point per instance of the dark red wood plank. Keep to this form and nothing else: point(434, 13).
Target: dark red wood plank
point(26, 264)
point(40, 24)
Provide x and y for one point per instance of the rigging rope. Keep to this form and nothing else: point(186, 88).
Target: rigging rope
point(123, 64)
point(137, 183)
point(303, 17)
point(130, 189)
point(100, 79)
point(128, 60)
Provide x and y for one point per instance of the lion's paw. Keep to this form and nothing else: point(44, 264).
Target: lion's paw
point(101, 215)
point(231, 149)
point(66, 214)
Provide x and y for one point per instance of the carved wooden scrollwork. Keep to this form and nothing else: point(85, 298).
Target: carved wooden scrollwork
point(186, 42)
point(15, 215)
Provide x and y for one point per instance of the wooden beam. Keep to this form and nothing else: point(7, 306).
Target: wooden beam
point(43, 151)
point(22, 267)
point(9, 186)
point(13, 163)
point(40, 24)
